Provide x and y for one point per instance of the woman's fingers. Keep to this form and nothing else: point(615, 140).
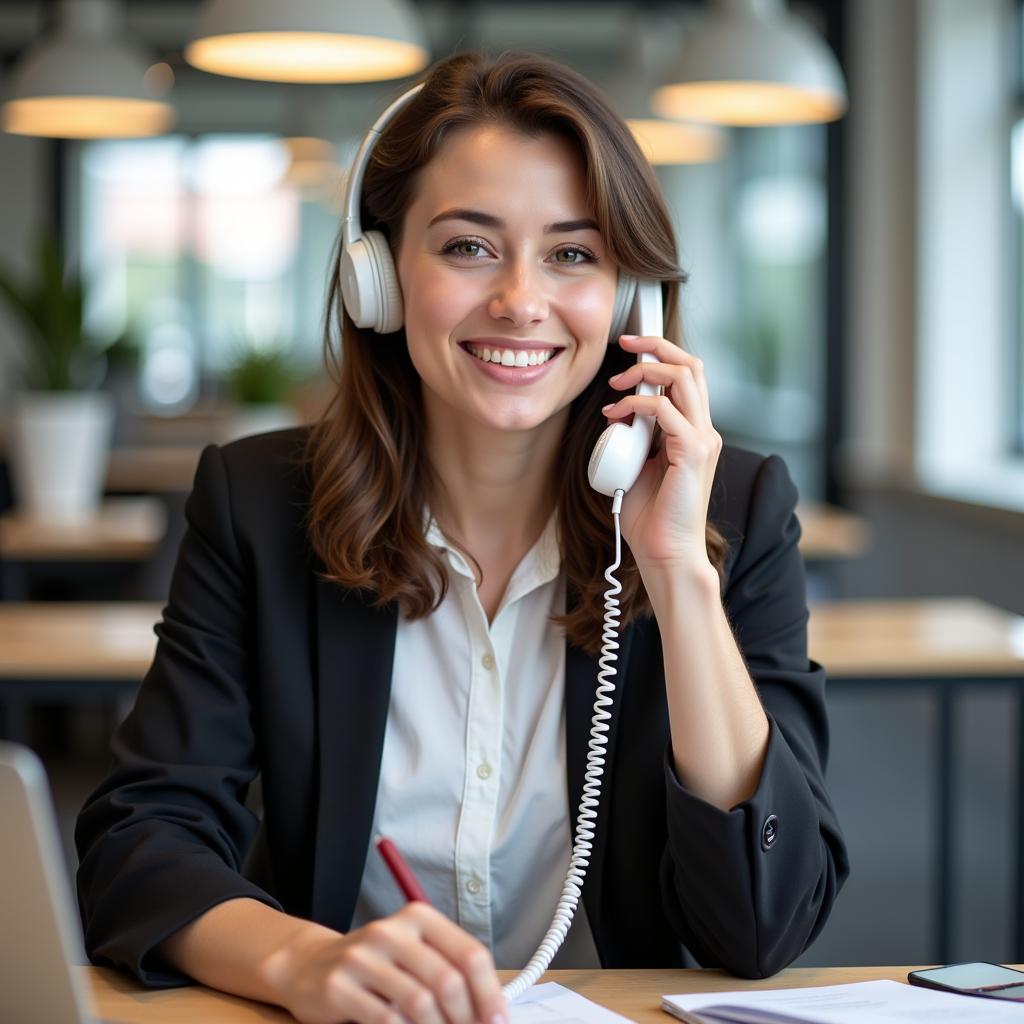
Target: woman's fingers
point(684, 383)
point(415, 965)
point(394, 983)
point(346, 996)
point(437, 974)
point(470, 958)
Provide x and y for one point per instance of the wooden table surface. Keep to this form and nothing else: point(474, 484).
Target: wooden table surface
point(831, 533)
point(955, 637)
point(123, 529)
point(828, 532)
point(150, 469)
point(634, 994)
point(77, 640)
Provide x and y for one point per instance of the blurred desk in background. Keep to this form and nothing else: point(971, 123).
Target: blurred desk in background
point(948, 646)
point(830, 532)
point(84, 651)
point(124, 530)
point(71, 652)
point(943, 637)
point(152, 470)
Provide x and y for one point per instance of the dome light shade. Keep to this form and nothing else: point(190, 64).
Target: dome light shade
point(748, 62)
point(83, 82)
point(309, 40)
point(672, 142)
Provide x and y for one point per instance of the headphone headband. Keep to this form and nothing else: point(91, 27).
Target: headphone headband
point(351, 226)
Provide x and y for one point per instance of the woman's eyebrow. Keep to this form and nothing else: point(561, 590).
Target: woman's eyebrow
point(490, 221)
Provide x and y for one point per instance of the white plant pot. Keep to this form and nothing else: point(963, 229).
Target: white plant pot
point(59, 445)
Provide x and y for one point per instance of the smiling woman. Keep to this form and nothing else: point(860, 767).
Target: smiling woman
point(393, 618)
point(512, 196)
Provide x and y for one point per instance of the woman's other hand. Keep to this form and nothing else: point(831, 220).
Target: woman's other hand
point(415, 965)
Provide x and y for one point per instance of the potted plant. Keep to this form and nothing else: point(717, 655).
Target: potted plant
point(60, 430)
point(261, 380)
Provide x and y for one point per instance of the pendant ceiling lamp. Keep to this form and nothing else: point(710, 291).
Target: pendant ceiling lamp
point(663, 142)
point(673, 142)
point(749, 62)
point(309, 40)
point(83, 82)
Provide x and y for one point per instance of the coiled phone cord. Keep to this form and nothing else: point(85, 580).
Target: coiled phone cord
point(591, 798)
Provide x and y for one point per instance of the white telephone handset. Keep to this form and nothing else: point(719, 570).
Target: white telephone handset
point(622, 450)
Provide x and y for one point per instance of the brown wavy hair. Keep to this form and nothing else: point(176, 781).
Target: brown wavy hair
point(371, 476)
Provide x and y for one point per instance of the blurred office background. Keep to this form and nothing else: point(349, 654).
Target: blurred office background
point(854, 291)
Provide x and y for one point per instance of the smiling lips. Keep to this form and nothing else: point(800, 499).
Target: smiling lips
point(509, 356)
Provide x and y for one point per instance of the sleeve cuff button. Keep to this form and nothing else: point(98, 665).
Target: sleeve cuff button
point(769, 832)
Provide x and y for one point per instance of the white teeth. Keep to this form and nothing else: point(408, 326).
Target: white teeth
point(512, 357)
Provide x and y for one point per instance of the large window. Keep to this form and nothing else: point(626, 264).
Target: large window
point(200, 249)
point(969, 173)
point(1017, 185)
point(753, 234)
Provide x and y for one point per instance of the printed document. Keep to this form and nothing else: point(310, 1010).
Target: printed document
point(552, 1003)
point(880, 1002)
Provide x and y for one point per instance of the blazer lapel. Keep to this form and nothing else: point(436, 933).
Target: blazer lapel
point(580, 691)
point(355, 656)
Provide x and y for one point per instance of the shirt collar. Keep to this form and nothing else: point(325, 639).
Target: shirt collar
point(542, 561)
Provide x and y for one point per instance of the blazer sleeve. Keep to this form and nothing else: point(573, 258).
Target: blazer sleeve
point(162, 840)
point(749, 889)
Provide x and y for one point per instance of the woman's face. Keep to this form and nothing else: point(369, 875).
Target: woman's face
point(500, 258)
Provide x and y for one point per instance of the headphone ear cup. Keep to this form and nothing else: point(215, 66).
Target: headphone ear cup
point(369, 284)
point(359, 283)
point(625, 290)
point(389, 295)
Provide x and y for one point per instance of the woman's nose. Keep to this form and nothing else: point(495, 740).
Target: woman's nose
point(519, 298)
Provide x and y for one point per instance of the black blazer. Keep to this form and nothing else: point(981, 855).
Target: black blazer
point(262, 668)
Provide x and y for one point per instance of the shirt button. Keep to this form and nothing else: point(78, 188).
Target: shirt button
point(483, 770)
point(473, 886)
point(769, 832)
point(487, 661)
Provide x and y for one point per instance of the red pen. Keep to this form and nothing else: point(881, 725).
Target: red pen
point(400, 871)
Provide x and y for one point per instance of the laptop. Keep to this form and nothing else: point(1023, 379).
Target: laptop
point(40, 933)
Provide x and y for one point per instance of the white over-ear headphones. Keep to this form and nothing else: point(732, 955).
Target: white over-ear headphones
point(369, 281)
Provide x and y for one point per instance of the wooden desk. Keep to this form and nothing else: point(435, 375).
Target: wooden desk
point(152, 470)
point(634, 994)
point(948, 637)
point(70, 652)
point(831, 533)
point(77, 641)
point(124, 529)
point(948, 646)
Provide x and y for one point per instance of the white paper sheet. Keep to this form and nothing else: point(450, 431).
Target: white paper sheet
point(880, 1002)
point(552, 1003)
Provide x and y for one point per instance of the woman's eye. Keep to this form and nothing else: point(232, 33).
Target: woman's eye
point(464, 247)
point(573, 255)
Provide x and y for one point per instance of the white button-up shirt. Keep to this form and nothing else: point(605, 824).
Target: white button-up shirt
point(473, 777)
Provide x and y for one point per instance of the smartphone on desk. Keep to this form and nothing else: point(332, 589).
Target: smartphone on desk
point(979, 979)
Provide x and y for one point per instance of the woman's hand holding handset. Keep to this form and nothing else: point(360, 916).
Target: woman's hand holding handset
point(415, 965)
point(664, 515)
